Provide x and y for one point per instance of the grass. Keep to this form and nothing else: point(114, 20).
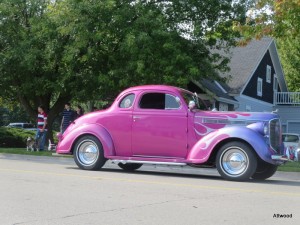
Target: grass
point(287, 167)
point(290, 167)
point(22, 151)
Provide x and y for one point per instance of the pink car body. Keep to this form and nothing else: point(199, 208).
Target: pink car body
point(153, 124)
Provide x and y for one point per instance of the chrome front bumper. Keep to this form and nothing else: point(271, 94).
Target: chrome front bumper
point(280, 158)
point(288, 157)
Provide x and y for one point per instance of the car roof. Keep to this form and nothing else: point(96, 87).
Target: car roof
point(153, 87)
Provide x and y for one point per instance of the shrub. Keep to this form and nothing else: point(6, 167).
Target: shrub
point(14, 137)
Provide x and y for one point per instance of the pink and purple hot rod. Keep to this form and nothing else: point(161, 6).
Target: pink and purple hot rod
point(158, 124)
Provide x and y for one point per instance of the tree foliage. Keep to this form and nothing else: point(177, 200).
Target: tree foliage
point(55, 51)
point(289, 50)
point(279, 19)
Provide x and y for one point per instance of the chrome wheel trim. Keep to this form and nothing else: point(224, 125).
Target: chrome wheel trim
point(87, 152)
point(234, 161)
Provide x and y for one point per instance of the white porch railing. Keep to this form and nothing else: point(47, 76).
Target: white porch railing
point(287, 98)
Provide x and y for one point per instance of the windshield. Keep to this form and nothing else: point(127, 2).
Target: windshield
point(193, 101)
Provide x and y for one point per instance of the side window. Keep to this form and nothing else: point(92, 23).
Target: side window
point(172, 102)
point(159, 101)
point(127, 101)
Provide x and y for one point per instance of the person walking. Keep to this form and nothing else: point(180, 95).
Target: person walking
point(79, 112)
point(68, 117)
point(41, 133)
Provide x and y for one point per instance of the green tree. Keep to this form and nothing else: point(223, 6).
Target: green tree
point(289, 51)
point(29, 64)
point(55, 51)
point(279, 19)
point(123, 43)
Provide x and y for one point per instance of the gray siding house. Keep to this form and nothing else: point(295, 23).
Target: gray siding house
point(255, 82)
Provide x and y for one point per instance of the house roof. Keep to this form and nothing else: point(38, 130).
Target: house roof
point(219, 89)
point(243, 63)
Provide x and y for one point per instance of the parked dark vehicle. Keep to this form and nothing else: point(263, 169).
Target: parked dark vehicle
point(26, 126)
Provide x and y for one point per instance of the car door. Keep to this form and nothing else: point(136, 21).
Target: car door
point(159, 127)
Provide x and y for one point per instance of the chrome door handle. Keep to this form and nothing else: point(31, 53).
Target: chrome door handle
point(136, 118)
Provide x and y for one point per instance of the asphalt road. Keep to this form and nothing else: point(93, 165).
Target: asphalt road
point(47, 190)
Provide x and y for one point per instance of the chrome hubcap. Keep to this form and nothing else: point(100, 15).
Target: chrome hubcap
point(234, 161)
point(88, 152)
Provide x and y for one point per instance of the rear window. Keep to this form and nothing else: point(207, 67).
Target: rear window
point(290, 138)
point(127, 101)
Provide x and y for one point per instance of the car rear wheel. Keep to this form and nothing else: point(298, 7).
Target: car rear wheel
point(130, 166)
point(236, 161)
point(88, 153)
point(264, 170)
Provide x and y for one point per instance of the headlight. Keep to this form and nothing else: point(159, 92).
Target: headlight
point(266, 128)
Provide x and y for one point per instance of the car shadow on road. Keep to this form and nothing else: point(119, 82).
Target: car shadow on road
point(278, 182)
point(180, 174)
point(157, 173)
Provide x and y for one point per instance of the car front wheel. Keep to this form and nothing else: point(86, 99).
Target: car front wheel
point(88, 153)
point(264, 170)
point(236, 161)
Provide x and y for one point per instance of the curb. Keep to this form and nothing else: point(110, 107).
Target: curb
point(62, 155)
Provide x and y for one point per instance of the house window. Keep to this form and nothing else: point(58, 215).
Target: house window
point(268, 74)
point(259, 86)
point(275, 83)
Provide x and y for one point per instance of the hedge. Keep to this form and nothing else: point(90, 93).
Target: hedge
point(14, 137)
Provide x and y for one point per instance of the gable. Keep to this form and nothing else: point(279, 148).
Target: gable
point(244, 61)
point(267, 82)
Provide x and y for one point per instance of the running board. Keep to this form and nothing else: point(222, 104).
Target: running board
point(148, 162)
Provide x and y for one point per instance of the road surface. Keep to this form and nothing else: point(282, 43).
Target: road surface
point(52, 190)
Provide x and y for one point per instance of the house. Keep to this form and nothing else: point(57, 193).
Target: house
point(215, 94)
point(255, 82)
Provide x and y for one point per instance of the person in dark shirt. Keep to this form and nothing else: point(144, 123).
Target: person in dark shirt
point(79, 112)
point(68, 117)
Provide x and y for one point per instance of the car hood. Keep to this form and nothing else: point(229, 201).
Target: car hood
point(207, 121)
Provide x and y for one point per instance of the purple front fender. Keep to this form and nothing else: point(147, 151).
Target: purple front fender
point(67, 142)
point(203, 149)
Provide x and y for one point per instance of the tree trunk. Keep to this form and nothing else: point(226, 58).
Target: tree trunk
point(52, 113)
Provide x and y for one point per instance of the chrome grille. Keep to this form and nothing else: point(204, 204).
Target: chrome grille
point(275, 134)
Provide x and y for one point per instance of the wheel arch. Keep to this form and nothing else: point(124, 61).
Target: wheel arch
point(217, 147)
point(95, 130)
point(205, 150)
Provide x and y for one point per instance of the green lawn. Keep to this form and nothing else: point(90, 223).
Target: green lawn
point(290, 167)
point(23, 151)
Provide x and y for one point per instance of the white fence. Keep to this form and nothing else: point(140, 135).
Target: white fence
point(287, 98)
